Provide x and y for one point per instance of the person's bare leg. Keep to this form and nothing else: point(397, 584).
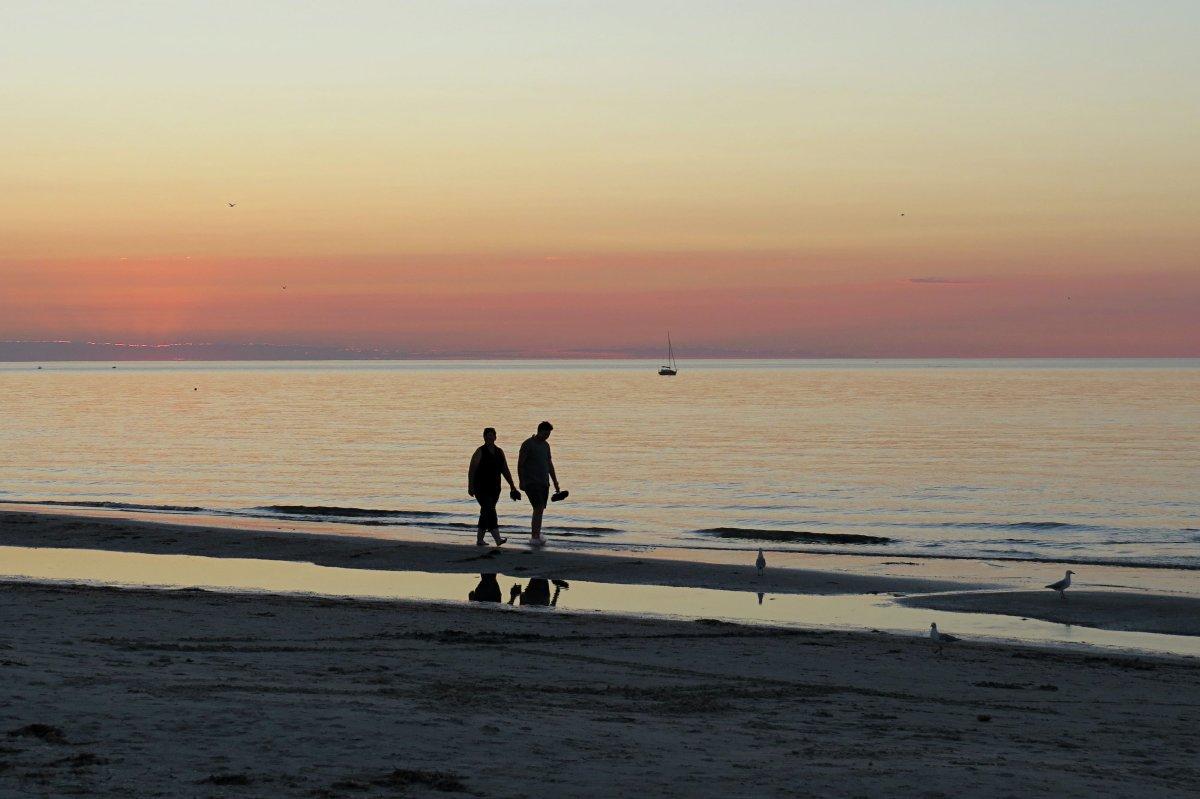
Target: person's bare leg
point(536, 523)
point(496, 535)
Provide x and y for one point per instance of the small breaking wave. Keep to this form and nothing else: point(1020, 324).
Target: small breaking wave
point(348, 513)
point(370, 517)
point(109, 505)
point(1025, 526)
point(586, 529)
point(793, 536)
point(582, 532)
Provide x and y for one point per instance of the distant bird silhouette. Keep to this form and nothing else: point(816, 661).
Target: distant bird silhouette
point(901, 214)
point(284, 288)
point(760, 563)
point(940, 638)
point(231, 205)
point(1062, 585)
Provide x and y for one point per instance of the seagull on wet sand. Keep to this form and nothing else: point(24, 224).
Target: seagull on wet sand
point(231, 205)
point(940, 638)
point(1062, 585)
point(761, 563)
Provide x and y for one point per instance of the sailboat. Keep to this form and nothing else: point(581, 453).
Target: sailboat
point(671, 369)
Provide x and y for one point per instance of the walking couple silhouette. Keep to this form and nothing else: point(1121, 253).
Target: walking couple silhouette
point(535, 473)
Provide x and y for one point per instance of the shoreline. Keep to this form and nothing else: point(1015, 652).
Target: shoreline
point(30, 529)
point(574, 536)
point(1129, 610)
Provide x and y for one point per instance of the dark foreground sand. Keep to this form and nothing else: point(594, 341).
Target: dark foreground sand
point(119, 693)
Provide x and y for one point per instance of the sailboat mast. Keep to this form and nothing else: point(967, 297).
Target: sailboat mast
point(668, 368)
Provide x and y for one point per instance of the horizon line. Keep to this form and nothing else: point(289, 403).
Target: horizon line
point(85, 350)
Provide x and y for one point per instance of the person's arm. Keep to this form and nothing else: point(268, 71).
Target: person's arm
point(504, 471)
point(553, 476)
point(471, 473)
point(521, 466)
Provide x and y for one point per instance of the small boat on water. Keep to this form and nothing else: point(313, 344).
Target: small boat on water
point(671, 368)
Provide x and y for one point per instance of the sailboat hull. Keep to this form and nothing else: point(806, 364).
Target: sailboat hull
point(666, 371)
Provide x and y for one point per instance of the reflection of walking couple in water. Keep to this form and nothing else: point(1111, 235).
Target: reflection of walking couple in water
point(537, 592)
point(535, 471)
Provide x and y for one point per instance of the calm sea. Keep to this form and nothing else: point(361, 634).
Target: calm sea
point(1074, 460)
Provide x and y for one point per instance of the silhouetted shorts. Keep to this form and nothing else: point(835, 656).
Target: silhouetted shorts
point(538, 496)
point(487, 511)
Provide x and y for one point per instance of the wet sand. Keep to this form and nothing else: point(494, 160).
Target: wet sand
point(1107, 610)
point(110, 692)
point(136, 535)
point(1168, 608)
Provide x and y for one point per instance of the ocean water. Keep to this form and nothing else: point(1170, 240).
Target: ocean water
point(1086, 461)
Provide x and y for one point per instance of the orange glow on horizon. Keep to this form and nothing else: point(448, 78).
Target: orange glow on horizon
point(608, 306)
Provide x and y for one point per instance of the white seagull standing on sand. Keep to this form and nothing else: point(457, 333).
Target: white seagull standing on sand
point(761, 563)
point(1062, 585)
point(941, 638)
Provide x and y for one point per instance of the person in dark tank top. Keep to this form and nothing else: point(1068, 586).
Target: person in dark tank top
point(488, 465)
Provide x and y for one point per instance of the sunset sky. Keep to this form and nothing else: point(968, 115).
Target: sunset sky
point(960, 178)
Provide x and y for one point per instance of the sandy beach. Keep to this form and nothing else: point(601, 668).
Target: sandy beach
point(199, 693)
point(112, 692)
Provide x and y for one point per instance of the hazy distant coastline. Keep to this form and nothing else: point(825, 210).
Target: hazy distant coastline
point(22, 351)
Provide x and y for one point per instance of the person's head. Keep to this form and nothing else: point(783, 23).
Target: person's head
point(544, 430)
point(489, 435)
